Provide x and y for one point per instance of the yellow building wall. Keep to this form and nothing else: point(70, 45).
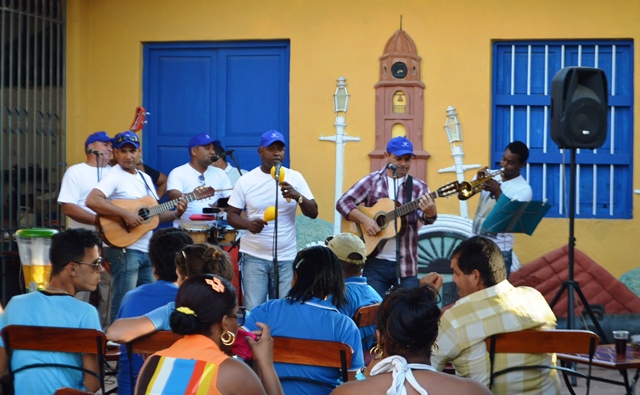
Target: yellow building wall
point(332, 38)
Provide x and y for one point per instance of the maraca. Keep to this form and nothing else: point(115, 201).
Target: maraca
point(269, 214)
point(280, 177)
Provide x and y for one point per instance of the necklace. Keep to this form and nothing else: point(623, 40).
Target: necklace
point(56, 290)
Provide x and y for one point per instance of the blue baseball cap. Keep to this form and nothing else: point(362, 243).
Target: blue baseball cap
point(400, 146)
point(101, 136)
point(127, 137)
point(271, 137)
point(200, 139)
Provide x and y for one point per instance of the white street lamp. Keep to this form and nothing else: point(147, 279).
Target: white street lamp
point(340, 106)
point(454, 135)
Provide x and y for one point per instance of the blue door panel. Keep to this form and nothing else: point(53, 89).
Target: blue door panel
point(234, 91)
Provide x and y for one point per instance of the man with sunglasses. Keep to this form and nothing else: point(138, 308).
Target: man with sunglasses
point(130, 266)
point(77, 183)
point(76, 266)
point(198, 173)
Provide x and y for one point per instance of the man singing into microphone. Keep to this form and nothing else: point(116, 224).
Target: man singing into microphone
point(381, 271)
point(77, 182)
point(197, 173)
point(255, 191)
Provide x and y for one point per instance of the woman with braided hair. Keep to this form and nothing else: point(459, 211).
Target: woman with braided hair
point(406, 332)
point(207, 315)
point(203, 258)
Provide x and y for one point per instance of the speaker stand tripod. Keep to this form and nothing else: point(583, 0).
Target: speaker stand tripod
point(571, 285)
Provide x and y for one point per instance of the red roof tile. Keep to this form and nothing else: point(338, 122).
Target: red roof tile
point(547, 273)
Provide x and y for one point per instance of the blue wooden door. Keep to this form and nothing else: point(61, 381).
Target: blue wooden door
point(234, 91)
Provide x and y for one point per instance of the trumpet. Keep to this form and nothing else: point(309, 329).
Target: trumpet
point(468, 189)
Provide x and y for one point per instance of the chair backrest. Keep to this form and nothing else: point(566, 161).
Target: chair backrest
point(533, 341)
point(366, 315)
point(313, 352)
point(152, 342)
point(46, 338)
point(71, 391)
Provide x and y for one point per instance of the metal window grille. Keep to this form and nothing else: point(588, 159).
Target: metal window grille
point(522, 74)
point(32, 118)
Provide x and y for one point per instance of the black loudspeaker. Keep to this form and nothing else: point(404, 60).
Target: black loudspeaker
point(579, 107)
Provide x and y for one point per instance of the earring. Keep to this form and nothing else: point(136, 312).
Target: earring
point(434, 348)
point(376, 352)
point(227, 338)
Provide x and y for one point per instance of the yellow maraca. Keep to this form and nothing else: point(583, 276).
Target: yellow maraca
point(269, 214)
point(280, 177)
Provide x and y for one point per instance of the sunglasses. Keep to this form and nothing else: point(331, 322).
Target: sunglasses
point(97, 264)
point(131, 139)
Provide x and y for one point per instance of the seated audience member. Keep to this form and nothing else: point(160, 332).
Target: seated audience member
point(488, 305)
point(207, 314)
point(307, 314)
point(164, 245)
point(197, 259)
point(76, 266)
point(406, 334)
point(352, 253)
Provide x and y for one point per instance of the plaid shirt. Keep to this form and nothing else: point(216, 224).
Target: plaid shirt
point(369, 191)
point(498, 309)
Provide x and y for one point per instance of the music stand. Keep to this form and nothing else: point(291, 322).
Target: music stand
point(571, 285)
point(512, 216)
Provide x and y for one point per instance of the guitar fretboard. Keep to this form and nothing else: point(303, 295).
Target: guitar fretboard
point(166, 206)
point(407, 208)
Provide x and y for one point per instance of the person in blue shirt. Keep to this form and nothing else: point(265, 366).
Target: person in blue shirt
point(352, 254)
point(307, 313)
point(163, 247)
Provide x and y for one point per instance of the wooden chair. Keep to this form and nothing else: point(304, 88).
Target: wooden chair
point(544, 341)
point(366, 316)
point(149, 344)
point(46, 338)
point(71, 391)
point(313, 353)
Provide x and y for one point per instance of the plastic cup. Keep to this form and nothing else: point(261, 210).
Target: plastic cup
point(33, 246)
point(621, 338)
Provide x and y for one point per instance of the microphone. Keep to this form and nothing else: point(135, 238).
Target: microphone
point(277, 171)
point(93, 151)
point(391, 166)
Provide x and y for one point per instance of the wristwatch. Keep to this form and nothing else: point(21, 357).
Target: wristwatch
point(300, 199)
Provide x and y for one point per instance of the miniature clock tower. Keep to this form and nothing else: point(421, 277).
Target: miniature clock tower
point(400, 102)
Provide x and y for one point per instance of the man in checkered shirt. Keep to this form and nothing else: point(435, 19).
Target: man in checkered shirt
point(488, 305)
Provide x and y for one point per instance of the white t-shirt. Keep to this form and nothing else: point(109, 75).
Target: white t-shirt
point(256, 191)
point(120, 184)
point(185, 179)
point(78, 181)
point(233, 173)
point(515, 189)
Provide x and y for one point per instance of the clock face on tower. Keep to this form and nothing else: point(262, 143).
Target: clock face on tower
point(399, 70)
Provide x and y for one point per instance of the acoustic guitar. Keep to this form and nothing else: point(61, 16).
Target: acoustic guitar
point(115, 232)
point(383, 213)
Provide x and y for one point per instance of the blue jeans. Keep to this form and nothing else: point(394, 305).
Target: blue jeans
point(129, 268)
point(508, 261)
point(381, 275)
point(258, 279)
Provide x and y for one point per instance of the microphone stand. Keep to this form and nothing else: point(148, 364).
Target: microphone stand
point(276, 270)
point(235, 161)
point(395, 222)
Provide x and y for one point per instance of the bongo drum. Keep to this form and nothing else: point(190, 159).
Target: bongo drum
point(198, 230)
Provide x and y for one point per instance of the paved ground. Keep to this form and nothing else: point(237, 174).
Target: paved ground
point(599, 388)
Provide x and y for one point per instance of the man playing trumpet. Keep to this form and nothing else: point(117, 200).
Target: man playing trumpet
point(513, 185)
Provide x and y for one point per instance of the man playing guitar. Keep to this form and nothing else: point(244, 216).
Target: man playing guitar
point(381, 269)
point(130, 266)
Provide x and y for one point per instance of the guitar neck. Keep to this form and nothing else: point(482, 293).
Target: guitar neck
point(407, 208)
point(171, 204)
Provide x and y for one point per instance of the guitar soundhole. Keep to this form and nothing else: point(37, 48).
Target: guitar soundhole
point(380, 220)
point(144, 213)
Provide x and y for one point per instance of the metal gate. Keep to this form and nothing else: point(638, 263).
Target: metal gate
point(32, 118)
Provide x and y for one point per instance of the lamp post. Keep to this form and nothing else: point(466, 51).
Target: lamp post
point(454, 135)
point(340, 106)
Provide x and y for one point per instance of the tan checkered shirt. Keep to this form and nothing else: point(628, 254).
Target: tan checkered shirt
point(498, 309)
